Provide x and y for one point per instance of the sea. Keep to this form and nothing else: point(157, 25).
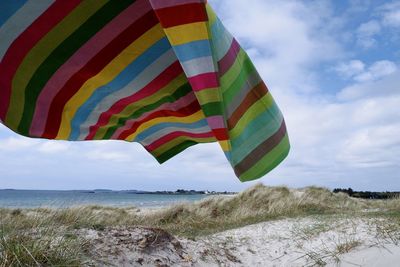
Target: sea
point(10, 198)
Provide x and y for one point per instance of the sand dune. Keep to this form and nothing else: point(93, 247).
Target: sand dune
point(313, 241)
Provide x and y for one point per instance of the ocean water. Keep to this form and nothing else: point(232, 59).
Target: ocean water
point(64, 199)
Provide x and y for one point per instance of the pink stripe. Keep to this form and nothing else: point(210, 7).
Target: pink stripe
point(180, 103)
point(24, 43)
point(157, 4)
point(80, 59)
point(204, 81)
point(169, 137)
point(155, 85)
point(227, 61)
point(216, 122)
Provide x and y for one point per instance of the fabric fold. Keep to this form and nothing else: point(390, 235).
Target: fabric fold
point(164, 73)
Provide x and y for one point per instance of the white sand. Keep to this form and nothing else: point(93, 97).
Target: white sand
point(325, 241)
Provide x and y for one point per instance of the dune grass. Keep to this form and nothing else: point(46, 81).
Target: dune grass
point(37, 241)
point(48, 237)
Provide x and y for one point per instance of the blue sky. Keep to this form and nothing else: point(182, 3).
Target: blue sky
point(333, 68)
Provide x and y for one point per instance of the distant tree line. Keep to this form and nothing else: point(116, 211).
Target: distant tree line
point(367, 194)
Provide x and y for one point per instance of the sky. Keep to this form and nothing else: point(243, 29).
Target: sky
point(333, 68)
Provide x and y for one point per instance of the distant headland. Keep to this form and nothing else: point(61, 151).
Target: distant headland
point(133, 191)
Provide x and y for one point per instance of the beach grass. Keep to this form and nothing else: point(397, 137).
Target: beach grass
point(27, 240)
point(50, 237)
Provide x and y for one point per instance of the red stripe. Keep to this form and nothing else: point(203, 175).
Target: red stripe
point(227, 61)
point(171, 136)
point(24, 43)
point(92, 68)
point(159, 82)
point(182, 14)
point(183, 112)
point(221, 134)
point(204, 81)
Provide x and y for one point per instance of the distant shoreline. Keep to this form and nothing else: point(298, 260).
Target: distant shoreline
point(142, 192)
point(126, 198)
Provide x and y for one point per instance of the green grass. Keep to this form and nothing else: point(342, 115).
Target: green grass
point(37, 241)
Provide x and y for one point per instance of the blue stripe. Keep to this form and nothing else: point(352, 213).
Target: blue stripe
point(123, 79)
point(158, 127)
point(9, 8)
point(221, 38)
point(228, 156)
point(193, 50)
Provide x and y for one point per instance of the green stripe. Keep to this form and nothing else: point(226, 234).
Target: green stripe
point(270, 115)
point(211, 109)
point(63, 52)
point(178, 140)
point(255, 135)
point(180, 92)
point(128, 110)
point(175, 150)
point(212, 17)
point(268, 162)
point(234, 70)
point(41, 51)
point(231, 91)
point(254, 111)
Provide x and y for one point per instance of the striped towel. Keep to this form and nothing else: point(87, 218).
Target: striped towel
point(163, 73)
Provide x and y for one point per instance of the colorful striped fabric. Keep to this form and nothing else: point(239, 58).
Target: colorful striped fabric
point(164, 73)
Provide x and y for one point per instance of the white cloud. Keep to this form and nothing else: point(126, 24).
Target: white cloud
point(386, 86)
point(108, 156)
point(391, 14)
point(114, 151)
point(350, 69)
point(377, 146)
point(285, 38)
point(385, 17)
point(20, 143)
point(331, 139)
point(16, 143)
point(356, 69)
point(53, 147)
point(377, 71)
point(378, 110)
point(366, 33)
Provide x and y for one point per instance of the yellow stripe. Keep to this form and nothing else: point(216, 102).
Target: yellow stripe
point(225, 145)
point(133, 107)
point(176, 141)
point(208, 95)
point(41, 51)
point(187, 33)
point(189, 119)
point(112, 70)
